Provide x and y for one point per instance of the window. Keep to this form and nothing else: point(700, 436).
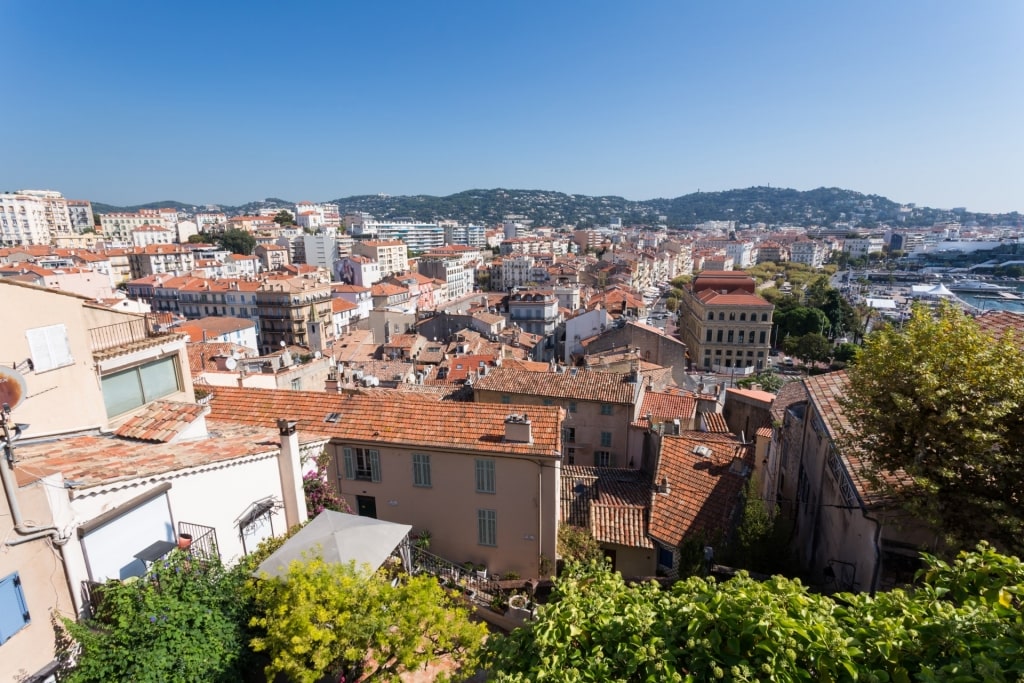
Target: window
point(732, 315)
point(49, 347)
point(729, 337)
point(128, 389)
point(740, 337)
point(721, 315)
point(665, 557)
point(362, 464)
point(718, 337)
point(487, 527)
point(708, 336)
point(570, 456)
point(572, 406)
point(569, 434)
point(603, 459)
point(764, 317)
point(711, 315)
point(762, 336)
point(296, 384)
point(548, 402)
point(743, 316)
point(506, 399)
point(13, 608)
point(421, 470)
point(606, 439)
point(606, 409)
point(484, 476)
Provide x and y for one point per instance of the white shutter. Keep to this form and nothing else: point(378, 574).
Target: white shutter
point(49, 347)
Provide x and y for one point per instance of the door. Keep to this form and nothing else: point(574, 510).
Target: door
point(367, 506)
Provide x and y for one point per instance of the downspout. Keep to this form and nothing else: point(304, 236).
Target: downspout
point(878, 551)
point(27, 533)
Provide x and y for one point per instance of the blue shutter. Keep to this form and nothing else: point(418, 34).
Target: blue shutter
point(13, 609)
point(374, 465)
point(350, 466)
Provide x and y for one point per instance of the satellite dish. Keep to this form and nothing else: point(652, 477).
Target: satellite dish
point(13, 389)
point(283, 344)
point(231, 363)
point(317, 355)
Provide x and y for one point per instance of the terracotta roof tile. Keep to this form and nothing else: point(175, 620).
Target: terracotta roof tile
point(999, 323)
point(161, 421)
point(611, 502)
point(703, 490)
point(715, 422)
point(584, 385)
point(393, 418)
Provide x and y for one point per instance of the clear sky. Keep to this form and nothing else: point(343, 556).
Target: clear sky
point(226, 102)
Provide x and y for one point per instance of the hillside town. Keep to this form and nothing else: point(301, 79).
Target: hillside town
point(173, 375)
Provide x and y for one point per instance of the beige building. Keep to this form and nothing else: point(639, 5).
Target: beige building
point(482, 479)
point(726, 326)
point(391, 255)
point(85, 368)
point(294, 310)
point(599, 406)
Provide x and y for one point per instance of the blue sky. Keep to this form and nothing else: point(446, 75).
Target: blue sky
point(227, 102)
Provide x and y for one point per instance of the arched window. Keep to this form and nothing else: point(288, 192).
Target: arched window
point(743, 316)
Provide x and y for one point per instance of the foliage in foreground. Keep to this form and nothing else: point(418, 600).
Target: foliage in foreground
point(183, 621)
point(964, 622)
point(944, 402)
point(576, 544)
point(325, 618)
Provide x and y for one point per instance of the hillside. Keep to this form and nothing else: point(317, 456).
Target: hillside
point(769, 205)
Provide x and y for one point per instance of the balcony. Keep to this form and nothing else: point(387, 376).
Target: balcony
point(123, 334)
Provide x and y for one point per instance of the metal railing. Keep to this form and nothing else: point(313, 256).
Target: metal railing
point(119, 334)
point(476, 588)
point(204, 540)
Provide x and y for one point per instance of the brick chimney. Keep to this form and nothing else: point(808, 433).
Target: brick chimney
point(517, 429)
point(290, 471)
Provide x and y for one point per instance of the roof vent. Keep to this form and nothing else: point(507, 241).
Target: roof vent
point(703, 451)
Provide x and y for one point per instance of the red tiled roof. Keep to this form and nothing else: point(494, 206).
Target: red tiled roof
point(161, 421)
point(95, 460)
point(703, 491)
point(393, 419)
point(584, 385)
point(999, 323)
point(668, 406)
point(715, 422)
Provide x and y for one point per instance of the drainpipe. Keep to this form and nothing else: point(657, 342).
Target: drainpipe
point(27, 533)
point(878, 552)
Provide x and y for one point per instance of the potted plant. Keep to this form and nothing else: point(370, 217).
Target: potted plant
point(481, 571)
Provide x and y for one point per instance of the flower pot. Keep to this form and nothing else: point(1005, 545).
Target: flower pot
point(184, 541)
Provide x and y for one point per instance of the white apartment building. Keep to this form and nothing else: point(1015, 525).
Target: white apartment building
point(519, 270)
point(535, 245)
point(145, 235)
point(209, 222)
point(418, 237)
point(321, 249)
point(807, 252)
point(22, 220)
point(465, 235)
point(55, 210)
point(391, 255)
point(863, 247)
point(458, 277)
point(317, 216)
point(118, 227)
point(80, 215)
point(741, 252)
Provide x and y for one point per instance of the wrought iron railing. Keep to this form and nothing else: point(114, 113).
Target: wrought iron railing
point(476, 587)
point(204, 539)
point(119, 334)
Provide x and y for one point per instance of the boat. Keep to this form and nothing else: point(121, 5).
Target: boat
point(977, 287)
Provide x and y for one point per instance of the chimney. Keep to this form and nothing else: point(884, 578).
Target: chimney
point(663, 487)
point(290, 472)
point(517, 429)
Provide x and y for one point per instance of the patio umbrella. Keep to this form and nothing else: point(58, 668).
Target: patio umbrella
point(341, 538)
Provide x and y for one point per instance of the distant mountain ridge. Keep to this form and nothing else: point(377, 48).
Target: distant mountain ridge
point(771, 205)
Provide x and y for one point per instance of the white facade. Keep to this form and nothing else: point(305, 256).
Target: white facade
point(466, 235)
point(861, 248)
point(321, 249)
point(22, 220)
point(416, 236)
point(145, 235)
point(807, 252)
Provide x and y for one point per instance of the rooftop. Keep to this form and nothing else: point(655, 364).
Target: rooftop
point(580, 384)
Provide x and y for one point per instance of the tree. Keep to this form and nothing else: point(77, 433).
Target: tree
point(812, 348)
point(767, 378)
point(237, 241)
point(961, 623)
point(284, 217)
point(182, 621)
point(327, 618)
point(943, 402)
point(576, 544)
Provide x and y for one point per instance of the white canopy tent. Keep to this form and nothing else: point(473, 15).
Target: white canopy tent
point(341, 538)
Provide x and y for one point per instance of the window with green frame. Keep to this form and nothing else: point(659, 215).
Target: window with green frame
point(128, 389)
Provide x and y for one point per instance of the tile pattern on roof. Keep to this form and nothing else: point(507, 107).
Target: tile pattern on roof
point(703, 491)
point(90, 461)
point(826, 393)
point(714, 422)
point(161, 421)
point(583, 385)
point(789, 394)
point(611, 502)
point(669, 406)
point(999, 323)
point(393, 418)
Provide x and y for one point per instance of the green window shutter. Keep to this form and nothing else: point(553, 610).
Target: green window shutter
point(350, 466)
point(485, 476)
point(374, 465)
